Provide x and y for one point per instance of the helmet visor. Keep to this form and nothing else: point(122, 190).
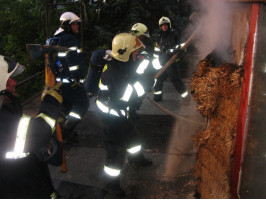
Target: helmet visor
point(20, 68)
point(147, 34)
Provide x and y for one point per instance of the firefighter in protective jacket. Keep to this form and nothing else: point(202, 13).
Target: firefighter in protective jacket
point(72, 68)
point(141, 31)
point(167, 45)
point(26, 143)
point(119, 89)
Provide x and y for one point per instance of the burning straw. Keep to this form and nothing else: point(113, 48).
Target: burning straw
point(216, 91)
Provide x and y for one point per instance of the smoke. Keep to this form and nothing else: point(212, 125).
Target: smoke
point(213, 22)
point(213, 25)
point(181, 150)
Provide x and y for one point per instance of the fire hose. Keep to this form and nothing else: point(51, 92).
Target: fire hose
point(171, 113)
point(175, 56)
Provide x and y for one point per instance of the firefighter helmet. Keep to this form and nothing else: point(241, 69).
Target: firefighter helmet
point(66, 19)
point(139, 29)
point(123, 45)
point(8, 68)
point(165, 20)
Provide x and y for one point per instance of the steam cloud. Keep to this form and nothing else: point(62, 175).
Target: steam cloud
point(214, 25)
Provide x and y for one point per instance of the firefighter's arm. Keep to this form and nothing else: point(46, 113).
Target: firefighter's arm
point(40, 139)
point(43, 125)
point(33, 133)
point(72, 57)
point(54, 92)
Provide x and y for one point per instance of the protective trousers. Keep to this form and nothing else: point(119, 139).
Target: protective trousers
point(120, 135)
point(74, 106)
point(92, 80)
point(75, 99)
point(28, 173)
point(174, 74)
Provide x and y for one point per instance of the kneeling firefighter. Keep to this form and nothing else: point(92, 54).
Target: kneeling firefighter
point(119, 89)
point(27, 143)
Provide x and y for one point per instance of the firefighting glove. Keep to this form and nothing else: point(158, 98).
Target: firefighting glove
point(170, 51)
point(54, 92)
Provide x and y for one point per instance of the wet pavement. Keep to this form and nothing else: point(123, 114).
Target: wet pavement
point(166, 140)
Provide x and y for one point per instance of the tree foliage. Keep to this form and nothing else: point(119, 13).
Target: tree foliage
point(24, 21)
point(119, 16)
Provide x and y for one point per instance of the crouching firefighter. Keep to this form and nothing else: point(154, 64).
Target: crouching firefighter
point(70, 69)
point(119, 89)
point(27, 143)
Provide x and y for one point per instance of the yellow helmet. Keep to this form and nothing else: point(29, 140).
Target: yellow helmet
point(165, 20)
point(123, 45)
point(139, 29)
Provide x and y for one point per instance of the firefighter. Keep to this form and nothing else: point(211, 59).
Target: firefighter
point(26, 143)
point(141, 31)
point(119, 88)
point(72, 68)
point(145, 73)
point(99, 58)
point(167, 45)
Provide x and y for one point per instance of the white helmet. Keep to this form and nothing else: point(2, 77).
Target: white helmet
point(69, 17)
point(66, 19)
point(165, 20)
point(139, 29)
point(8, 68)
point(123, 45)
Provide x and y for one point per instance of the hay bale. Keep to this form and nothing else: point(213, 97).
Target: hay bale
point(216, 91)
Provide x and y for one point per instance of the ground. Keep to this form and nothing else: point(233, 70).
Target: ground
point(166, 140)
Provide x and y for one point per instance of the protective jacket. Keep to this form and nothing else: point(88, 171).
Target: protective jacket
point(167, 40)
point(119, 88)
point(72, 73)
point(25, 147)
point(148, 45)
point(97, 61)
point(70, 63)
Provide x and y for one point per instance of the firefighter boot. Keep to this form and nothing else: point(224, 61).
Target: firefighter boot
point(69, 129)
point(157, 97)
point(111, 188)
point(138, 160)
point(186, 100)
